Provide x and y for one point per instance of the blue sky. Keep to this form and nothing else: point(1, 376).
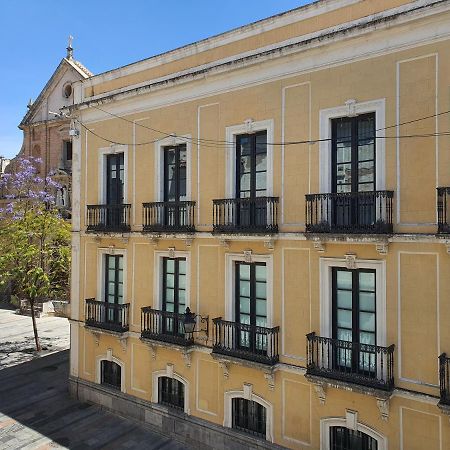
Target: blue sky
point(107, 34)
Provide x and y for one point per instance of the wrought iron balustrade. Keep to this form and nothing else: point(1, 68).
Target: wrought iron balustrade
point(108, 316)
point(108, 217)
point(244, 341)
point(164, 326)
point(245, 215)
point(363, 364)
point(168, 216)
point(350, 212)
point(444, 379)
point(443, 194)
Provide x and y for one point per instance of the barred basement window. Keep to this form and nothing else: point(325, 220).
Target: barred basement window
point(111, 374)
point(342, 438)
point(171, 393)
point(249, 416)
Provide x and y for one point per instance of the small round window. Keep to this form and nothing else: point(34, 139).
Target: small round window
point(67, 90)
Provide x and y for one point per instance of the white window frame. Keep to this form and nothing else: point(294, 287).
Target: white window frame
point(102, 154)
point(326, 294)
point(326, 424)
point(109, 357)
point(230, 153)
point(170, 374)
point(158, 275)
point(101, 268)
point(349, 110)
point(228, 410)
point(159, 163)
point(230, 277)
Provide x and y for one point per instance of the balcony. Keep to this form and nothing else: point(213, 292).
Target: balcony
point(172, 217)
point(164, 326)
point(107, 316)
point(108, 218)
point(243, 341)
point(350, 212)
point(443, 212)
point(444, 380)
point(362, 364)
point(245, 215)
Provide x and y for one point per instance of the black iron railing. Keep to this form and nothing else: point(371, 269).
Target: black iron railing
point(259, 344)
point(108, 217)
point(363, 364)
point(245, 215)
point(350, 212)
point(443, 211)
point(108, 316)
point(168, 216)
point(164, 326)
point(444, 378)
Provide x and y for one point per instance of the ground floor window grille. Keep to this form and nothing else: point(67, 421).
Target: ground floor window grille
point(342, 438)
point(171, 392)
point(111, 374)
point(249, 416)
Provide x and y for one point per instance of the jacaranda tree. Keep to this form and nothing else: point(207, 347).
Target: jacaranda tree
point(34, 238)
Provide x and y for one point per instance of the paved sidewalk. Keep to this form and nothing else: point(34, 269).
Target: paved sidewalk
point(36, 412)
point(17, 339)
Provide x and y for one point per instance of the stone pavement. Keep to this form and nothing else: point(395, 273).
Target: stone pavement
point(36, 411)
point(17, 341)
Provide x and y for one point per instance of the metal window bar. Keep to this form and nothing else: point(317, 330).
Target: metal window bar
point(444, 378)
point(249, 416)
point(108, 217)
point(442, 209)
point(254, 343)
point(171, 393)
point(109, 316)
point(364, 364)
point(350, 212)
point(164, 326)
point(168, 216)
point(250, 215)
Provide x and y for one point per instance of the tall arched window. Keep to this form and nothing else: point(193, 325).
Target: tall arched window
point(111, 374)
point(171, 392)
point(343, 438)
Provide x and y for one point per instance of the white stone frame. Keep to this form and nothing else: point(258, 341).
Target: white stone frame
point(326, 287)
point(109, 357)
point(158, 274)
point(101, 253)
point(326, 424)
point(228, 410)
point(159, 163)
point(230, 274)
point(102, 153)
point(168, 372)
point(348, 110)
point(230, 153)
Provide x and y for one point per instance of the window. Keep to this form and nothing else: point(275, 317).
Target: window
point(175, 173)
point(251, 305)
point(251, 165)
point(342, 438)
point(353, 169)
point(113, 286)
point(354, 319)
point(174, 293)
point(111, 374)
point(67, 155)
point(249, 416)
point(171, 392)
point(115, 179)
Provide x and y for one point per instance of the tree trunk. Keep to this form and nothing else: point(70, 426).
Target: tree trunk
point(33, 318)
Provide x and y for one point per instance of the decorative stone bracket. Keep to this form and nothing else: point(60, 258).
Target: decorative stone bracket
point(123, 340)
point(319, 245)
point(321, 392)
point(96, 337)
point(187, 358)
point(382, 247)
point(269, 244)
point(350, 261)
point(225, 368)
point(269, 375)
point(383, 406)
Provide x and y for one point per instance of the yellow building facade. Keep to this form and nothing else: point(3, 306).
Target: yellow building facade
point(280, 181)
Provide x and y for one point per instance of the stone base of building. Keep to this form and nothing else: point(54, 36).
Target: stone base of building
point(192, 431)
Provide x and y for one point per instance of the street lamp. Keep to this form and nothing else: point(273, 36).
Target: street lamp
point(189, 322)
